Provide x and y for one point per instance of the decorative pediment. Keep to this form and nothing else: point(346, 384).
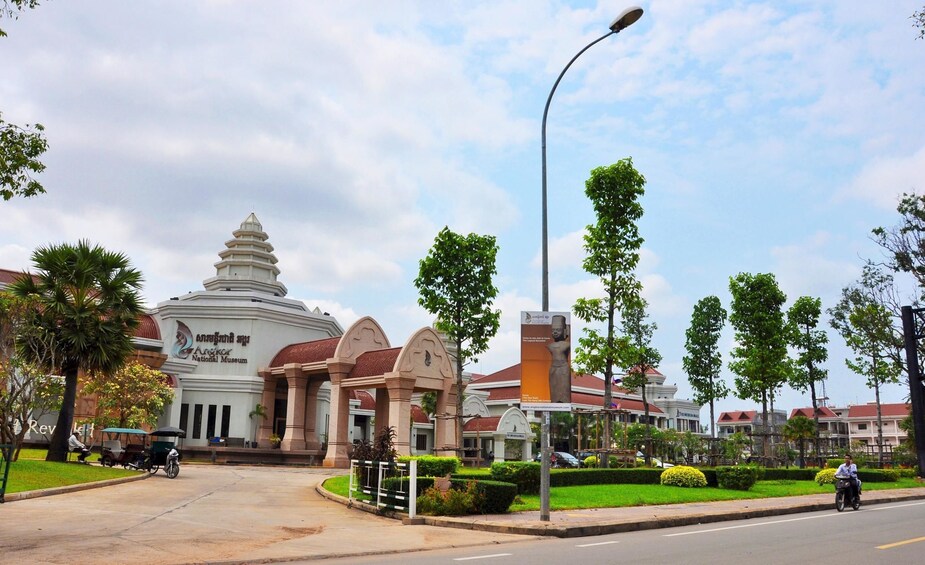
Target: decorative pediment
point(364, 335)
point(425, 355)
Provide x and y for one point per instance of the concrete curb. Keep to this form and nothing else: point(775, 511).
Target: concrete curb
point(580, 527)
point(25, 495)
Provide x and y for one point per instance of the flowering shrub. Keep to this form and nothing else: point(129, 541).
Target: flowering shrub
point(826, 477)
point(453, 502)
point(684, 476)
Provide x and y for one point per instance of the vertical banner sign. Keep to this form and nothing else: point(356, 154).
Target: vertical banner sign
point(546, 361)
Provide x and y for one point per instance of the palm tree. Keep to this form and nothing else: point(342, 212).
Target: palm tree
point(800, 429)
point(259, 411)
point(88, 301)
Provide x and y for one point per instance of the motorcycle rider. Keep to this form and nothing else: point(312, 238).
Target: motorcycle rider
point(849, 469)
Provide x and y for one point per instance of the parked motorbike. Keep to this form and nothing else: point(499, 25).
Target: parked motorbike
point(172, 466)
point(842, 490)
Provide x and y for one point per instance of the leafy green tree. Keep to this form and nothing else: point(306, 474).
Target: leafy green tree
point(429, 403)
point(870, 335)
point(612, 245)
point(132, 396)
point(89, 305)
point(640, 356)
point(455, 282)
point(26, 391)
point(799, 429)
point(760, 357)
point(692, 446)
point(703, 361)
point(20, 147)
point(810, 342)
point(734, 447)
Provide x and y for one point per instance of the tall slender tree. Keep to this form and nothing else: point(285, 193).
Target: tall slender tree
point(640, 357)
point(867, 327)
point(612, 245)
point(810, 342)
point(760, 357)
point(455, 282)
point(703, 361)
point(88, 301)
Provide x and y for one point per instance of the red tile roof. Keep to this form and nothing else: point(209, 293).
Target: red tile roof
point(147, 328)
point(8, 277)
point(504, 393)
point(511, 373)
point(823, 411)
point(488, 424)
point(595, 401)
point(367, 402)
point(418, 415)
point(870, 410)
point(374, 363)
point(306, 352)
point(738, 416)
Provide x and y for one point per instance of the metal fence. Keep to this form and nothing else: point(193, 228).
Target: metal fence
point(367, 477)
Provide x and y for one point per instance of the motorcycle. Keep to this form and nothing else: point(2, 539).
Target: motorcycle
point(172, 466)
point(842, 488)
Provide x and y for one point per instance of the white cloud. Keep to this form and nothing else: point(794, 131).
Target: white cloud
point(884, 179)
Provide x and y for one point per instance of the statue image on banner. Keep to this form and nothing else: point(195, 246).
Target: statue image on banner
point(560, 372)
point(545, 350)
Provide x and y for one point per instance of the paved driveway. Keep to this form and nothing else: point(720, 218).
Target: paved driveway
point(209, 513)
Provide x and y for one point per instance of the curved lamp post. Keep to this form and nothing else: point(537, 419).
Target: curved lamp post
point(627, 18)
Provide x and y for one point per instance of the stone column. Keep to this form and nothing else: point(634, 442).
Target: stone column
point(382, 412)
point(312, 441)
point(268, 400)
point(400, 389)
point(294, 439)
point(338, 454)
point(445, 424)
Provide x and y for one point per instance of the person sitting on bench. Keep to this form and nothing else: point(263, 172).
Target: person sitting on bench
point(74, 444)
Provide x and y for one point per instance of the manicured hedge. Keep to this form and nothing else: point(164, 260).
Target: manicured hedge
point(781, 474)
point(739, 477)
point(431, 466)
point(492, 497)
point(580, 477)
point(524, 474)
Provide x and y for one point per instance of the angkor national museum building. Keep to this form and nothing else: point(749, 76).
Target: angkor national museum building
point(240, 342)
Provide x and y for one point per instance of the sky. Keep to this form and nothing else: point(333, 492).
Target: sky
point(774, 136)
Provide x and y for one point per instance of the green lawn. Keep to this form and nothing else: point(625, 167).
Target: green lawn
point(612, 496)
point(32, 472)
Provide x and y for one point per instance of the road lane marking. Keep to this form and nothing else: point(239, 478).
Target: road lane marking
point(899, 543)
point(596, 544)
point(751, 525)
point(482, 557)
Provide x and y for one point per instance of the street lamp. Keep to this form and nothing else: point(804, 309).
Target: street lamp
point(626, 18)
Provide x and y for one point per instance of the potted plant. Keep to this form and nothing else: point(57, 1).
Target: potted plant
point(275, 440)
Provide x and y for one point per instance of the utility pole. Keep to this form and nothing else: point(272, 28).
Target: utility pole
point(913, 331)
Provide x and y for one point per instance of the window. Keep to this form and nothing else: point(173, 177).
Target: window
point(210, 423)
point(862, 426)
point(184, 416)
point(421, 442)
point(197, 421)
point(226, 419)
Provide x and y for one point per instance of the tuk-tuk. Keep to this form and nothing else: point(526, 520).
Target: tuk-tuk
point(160, 446)
point(125, 446)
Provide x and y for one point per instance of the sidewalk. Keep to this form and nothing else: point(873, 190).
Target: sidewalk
point(576, 523)
point(600, 521)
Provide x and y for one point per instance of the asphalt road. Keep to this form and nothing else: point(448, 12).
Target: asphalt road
point(210, 514)
point(888, 533)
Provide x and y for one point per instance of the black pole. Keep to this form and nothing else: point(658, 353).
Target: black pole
point(911, 337)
